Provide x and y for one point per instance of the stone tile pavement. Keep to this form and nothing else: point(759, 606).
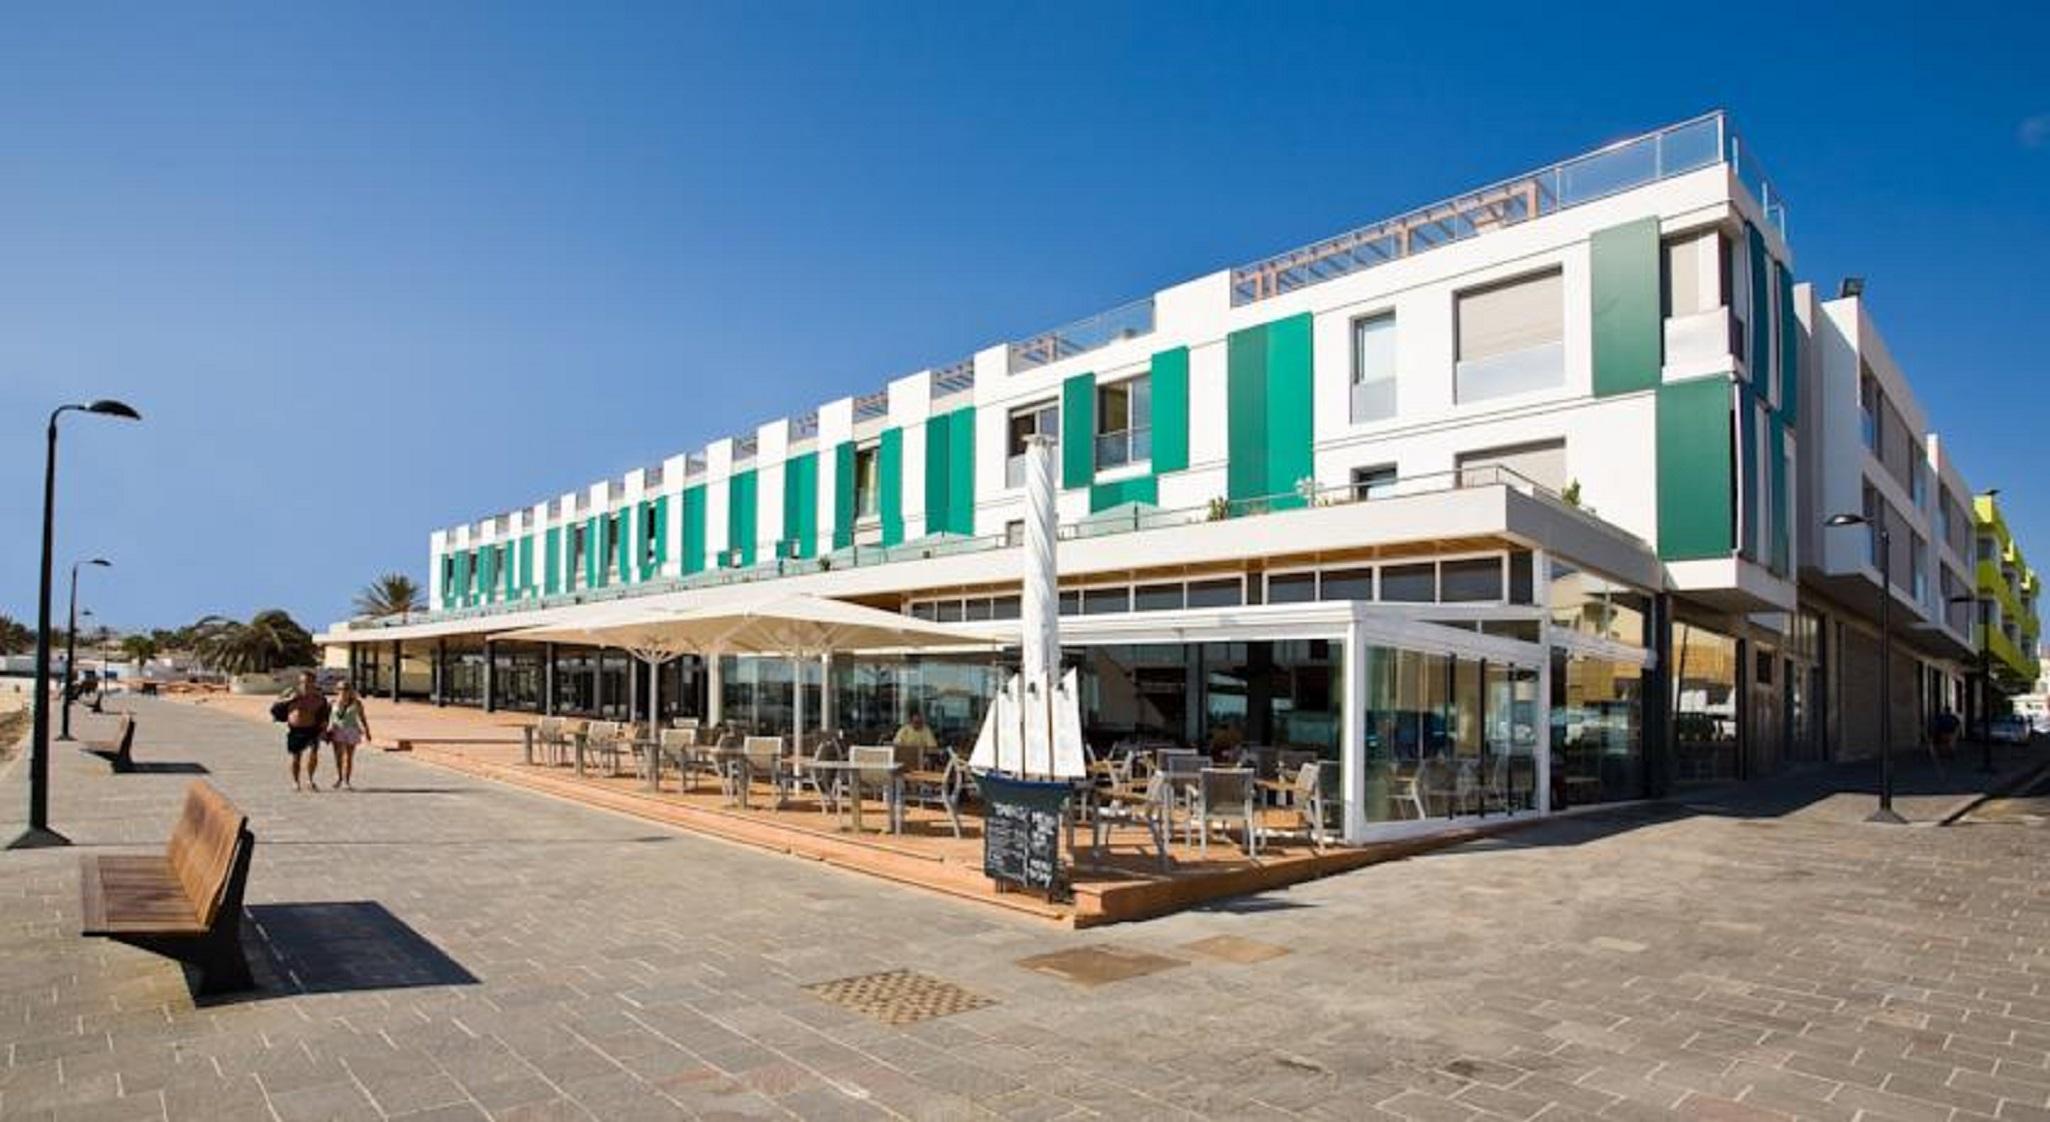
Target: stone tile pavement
point(450, 949)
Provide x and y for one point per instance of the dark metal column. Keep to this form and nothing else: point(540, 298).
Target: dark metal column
point(438, 674)
point(548, 679)
point(1658, 699)
point(490, 677)
point(398, 662)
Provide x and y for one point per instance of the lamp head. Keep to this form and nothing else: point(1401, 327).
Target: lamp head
point(108, 407)
point(1844, 520)
point(101, 562)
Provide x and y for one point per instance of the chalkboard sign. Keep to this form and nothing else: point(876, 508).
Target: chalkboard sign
point(1021, 834)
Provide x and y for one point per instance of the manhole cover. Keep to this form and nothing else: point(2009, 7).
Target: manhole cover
point(899, 997)
point(1098, 964)
point(1233, 948)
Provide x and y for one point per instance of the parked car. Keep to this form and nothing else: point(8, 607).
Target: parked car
point(2008, 730)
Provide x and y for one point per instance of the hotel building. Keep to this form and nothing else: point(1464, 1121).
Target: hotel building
point(1525, 486)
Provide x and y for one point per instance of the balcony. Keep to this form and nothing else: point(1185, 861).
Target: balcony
point(1129, 321)
point(1673, 151)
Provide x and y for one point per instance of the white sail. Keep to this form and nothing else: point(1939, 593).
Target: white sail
point(1069, 759)
point(999, 746)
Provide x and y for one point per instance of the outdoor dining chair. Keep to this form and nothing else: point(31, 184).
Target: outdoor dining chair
point(549, 738)
point(1303, 793)
point(766, 762)
point(602, 740)
point(681, 745)
point(824, 783)
point(943, 787)
point(1148, 807)
point(1226, 797)
point(877, 776)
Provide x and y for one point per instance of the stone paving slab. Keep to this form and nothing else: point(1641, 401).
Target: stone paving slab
point(463, 950)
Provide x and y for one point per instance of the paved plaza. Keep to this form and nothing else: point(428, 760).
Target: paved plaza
point(436, 946)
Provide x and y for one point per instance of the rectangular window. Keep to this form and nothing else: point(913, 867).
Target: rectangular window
point(1157, 597)
point(1006, 607)
point(1475, 579)
point(1014, 532)
point(1041, 419)
point(1868, 410)
point(1106, 601)
point(1377, 482)
point(1291, 588)
point(1215, 593)
point(868, 482)
point(1696, 274)
point(1070, 603)
point(1541, 462)
point(1511, 338)
point(1347, 584)
point(651, 535)
point(1410, 584)
point(1918, 560)
point(1373, 368)
point(578, 550)
point(1124, 422)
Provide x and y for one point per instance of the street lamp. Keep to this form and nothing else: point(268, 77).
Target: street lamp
point(39, 832)
point(1885, 813)
point(71, 643)
point(1985, 680)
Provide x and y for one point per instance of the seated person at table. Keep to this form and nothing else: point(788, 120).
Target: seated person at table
point(914, 733)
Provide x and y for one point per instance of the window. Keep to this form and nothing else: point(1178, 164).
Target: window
point(1874, 510)
point(1479, 578)
point(1014, 532)
point(614, 531)
point(1697, 274)
point(1216, 593)
point(651, 535)
point(1373, 368)
point(1124, 422)
point(1347, 584)
point(1918, 561)
point(578, 548)
point(1868, 410)
point(1291, 588)
point(1042, 419)
point(1542, 463)
point(1157, 597)
point(868, 482)
point(1104, 601)
point(1377, 482)
point(1511, 338)
point(1410, 584)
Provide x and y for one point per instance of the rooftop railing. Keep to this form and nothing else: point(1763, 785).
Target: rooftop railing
point(1128, 321)
point(1126, 519)
point(957, 377)
point(1622, 166)
point(869, 406)
point(805, 427)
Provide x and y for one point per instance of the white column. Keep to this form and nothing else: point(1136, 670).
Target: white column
point(827, 716)
point(715, 708)
point(1040, 645)
point(1352, 744)
point(1544, 717)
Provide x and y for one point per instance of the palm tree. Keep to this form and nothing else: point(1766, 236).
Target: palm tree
point(138, 648)
point(393, 594)
point(15, 636)
point(271, 640)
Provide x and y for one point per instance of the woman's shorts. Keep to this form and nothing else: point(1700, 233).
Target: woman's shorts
point(344, 738)
point(299, 740)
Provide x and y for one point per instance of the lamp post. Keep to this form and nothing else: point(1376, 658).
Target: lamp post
point(1885, 813)
point(71, 643)
point(39, 833)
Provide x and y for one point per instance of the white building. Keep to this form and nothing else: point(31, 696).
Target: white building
point(1492, 502)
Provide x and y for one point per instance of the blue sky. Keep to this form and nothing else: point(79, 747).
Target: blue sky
point(369, 270)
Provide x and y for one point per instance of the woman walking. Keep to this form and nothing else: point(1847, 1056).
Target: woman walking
point(350, 727)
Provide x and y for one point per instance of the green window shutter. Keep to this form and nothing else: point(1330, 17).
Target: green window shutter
point(961, 460)
point(527, 564)
point(1139, 489)
point(801, 503)
point(1629, 344)
point(551, 561)
point(594, 553)
point(1245, 470)
point(661, 531)
point(1078, 431)
point(1290, 408)
point(843, 495)
point(459, 575)
point(1760, 358)
point(487, 574)
point(1696, 506)
point(512, 570)
point(624, 535)
point(1171, 410)
point(1776, 479)
point(1790, 349)
point(694, 529)
point(890, 466)
point(938, 434)
point(1751, 541)
point(741, 516)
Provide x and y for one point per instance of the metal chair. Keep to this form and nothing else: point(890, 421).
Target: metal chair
point(1147, 807)
point(877, 775)
point(1306, 798)
point(766, 762)
point(1226, 796)
point(601, 739)
point(943, 787)
point(548, 737)
point(680, 745)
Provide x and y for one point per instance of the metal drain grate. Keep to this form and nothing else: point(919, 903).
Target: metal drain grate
point(899, 997)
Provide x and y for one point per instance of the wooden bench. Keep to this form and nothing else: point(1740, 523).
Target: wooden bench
point(187, 903)
point(120, 751)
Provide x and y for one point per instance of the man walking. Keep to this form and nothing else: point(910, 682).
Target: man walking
point(305, 712)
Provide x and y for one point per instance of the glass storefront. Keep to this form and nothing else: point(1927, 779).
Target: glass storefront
point(1705, 677)
point(1448, 735)
point(1597, 729)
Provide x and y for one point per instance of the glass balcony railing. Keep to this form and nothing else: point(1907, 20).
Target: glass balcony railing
point(1100, 330)
point(1126, 519)
point(1622, 166)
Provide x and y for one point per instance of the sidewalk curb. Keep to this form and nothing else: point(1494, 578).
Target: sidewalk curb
point(2018, 780)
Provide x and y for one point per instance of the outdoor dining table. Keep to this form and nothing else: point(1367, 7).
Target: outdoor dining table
point(848, 767)
point(526, 738)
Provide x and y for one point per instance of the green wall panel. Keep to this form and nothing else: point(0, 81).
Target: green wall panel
point(551, 561)
point(1696, 506)
point(622, 532)
point(1171, 410)
point(527, 564)
point(1245, 390)
point(1752, 542)
point(1078, 431)
point(1291, 407)
point(661, 532)
point(1780, 547)
point(890, 469)
point(511, 562)
point(938, 475)
point(950, 472)
point(801, 503)
point(741, 518)
point(1760, 358)
point(843, 495)
point(594, 552)
point(1790, 348)
point(1629, 344)
point(1139, 489)
point(694, 529)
